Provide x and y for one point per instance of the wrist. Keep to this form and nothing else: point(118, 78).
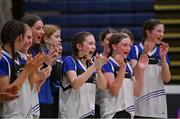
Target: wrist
point(163, 58)
point(98, 70)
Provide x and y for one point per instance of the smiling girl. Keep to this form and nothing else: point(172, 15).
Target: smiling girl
point(117, 101)
point(152, 101)
point(14, 71)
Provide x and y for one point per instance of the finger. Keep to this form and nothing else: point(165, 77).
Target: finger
point(12, 89)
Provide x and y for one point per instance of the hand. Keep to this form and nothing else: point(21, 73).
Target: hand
point(148, 46)
point(163, 49)
point(10, 94)
point(13, 89)
point(52, 55)
point(99, 61)
point(33, 64)
point(59, 48)
point(120, 60)
point(143, 61)
point(43, 74)
point(5, 96)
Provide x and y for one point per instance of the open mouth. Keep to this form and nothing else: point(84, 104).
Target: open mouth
point(39, 37)
point(91, 52)
point(126, 53)
point(159, 40)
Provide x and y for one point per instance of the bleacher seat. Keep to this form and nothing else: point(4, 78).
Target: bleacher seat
point(97, 20)
point(91, 6)
point(93, 16)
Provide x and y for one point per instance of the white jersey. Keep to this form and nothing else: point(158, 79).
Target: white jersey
point(35, 103)
point(110, 105)
point(20, 107)
point(76, 103)
point(152, 102)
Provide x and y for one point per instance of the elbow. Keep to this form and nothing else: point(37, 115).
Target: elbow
point(167, 80)
point(75, 85)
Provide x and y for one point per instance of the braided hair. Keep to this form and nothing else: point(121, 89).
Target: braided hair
point(10, 31)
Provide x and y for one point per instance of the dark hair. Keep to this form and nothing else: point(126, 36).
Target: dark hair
point(79, 38)
point(105, 32)
point(10, 31)
point(128, 32)
point(115, 39)
point(150, 25)
point(31, 19)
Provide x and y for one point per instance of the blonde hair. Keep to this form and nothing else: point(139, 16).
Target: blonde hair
point(49, 29)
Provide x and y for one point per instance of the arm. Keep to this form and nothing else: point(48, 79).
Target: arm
point(139, 70)
point(99, 62)
point(9, 95)
point(30, 66)
point(114, 84)
point(166, 74)
point(101, 81)
point(4, 81)
point(78, 81)
point(41, 76)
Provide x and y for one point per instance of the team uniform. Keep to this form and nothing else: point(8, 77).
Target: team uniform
point(20, 107)
point(35, 110)
point(152, 102)
point(124, 101)
point(46, 98)
point(35, 103)
point(76, 103)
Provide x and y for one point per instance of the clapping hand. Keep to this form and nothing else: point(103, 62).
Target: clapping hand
point(33, 63)
point(120, 60)
point(10, 94)
point(43, 73)
point(143, 61)
point(99, 61)
point(163, 49)
point(52, 55)
point(148, 46)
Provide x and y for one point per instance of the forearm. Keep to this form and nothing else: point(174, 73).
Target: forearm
point(101, 81)
point(41, 80)
point(32, 79)
point(139, 77)
point(81, 79)
point(21, 78)
point(166, 74)
point(117, 83)
point(138, 86)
